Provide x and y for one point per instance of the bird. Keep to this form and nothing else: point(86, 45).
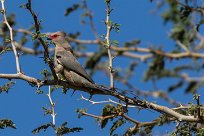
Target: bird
point(66, 63)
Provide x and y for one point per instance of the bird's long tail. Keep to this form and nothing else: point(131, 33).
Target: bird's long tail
point(100, 89)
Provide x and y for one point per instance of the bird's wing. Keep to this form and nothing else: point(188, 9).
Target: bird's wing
point(67, 59)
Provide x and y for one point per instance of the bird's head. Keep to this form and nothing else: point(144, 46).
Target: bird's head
point(57, 38)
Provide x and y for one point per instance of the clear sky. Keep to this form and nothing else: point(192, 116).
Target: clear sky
point(24, 106)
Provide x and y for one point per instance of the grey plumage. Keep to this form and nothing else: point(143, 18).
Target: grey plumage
point(66, 64)
point(70, 63)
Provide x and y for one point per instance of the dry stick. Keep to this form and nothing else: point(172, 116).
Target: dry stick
point(37, 28)
point(107, 38)
point(27, 50)
point(155, 94)
point(144, 124)
point(177, 127)
point(108, 101)
point(98, 117)
point(53, 114)
point(126, 51)
point(138, 124)
point(3, 11)
point(198, 106)
point(126, 99)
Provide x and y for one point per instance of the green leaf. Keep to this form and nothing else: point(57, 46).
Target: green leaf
point(4, 50)
point(44, 72)
point(107, 1)
point(6, 87)
point(61, 130)
point(38, 91)
point(71, 9)
point(23, 6)
point(115, 42)
point(148, 129)
point(156, 68)
point(200, 132)
point(108, 109)
point(132, 43)
point(80, 112)
point(192, 87)
point(11, 20)
point(93, 60)
point(117, 124)
point(175, 86)
point(115, 26)
point(46, 111)
point(4, 123)
point(43, 127)
point(74, 35)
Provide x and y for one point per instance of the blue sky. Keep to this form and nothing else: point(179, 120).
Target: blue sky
point(24, 106)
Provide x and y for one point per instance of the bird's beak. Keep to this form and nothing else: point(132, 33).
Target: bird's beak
point(49, 37)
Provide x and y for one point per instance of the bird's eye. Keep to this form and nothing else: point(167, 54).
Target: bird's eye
point(55, 35)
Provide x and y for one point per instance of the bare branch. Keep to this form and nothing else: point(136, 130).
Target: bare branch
point(37, 28)
point(102, 91)
point(159, 52)
point(108, 101)
point(182, 46)
point(126, 51)
point(53, 106)
point(98, 117)
point(143, 124)
point(108, 43)
point(3, 11)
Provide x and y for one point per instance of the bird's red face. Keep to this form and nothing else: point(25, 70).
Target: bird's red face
point(57, 38)
point(53, 36)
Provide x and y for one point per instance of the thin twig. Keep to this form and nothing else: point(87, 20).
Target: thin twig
point(107, 39)
point(198, 106)
point(3, 11)
point(182, 46)
point(98, 117)
point(177, 127)
point(37, 29)
point(53, 114)
point(138, 124)
point(130, 119)
point(108, 101)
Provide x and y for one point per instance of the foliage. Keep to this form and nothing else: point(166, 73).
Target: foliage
point(60, 131)
point(116, 125)
point(156, 64)
point(40, 128)
point(4, 123)
point(107, 110)
point(5, 88)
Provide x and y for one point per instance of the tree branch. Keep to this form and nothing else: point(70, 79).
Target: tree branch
point(98, 117)
point(37, 29)
point(53, 114)
point(108, 101)
point(3, 11)
point(108, 43)
point(102, 91)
